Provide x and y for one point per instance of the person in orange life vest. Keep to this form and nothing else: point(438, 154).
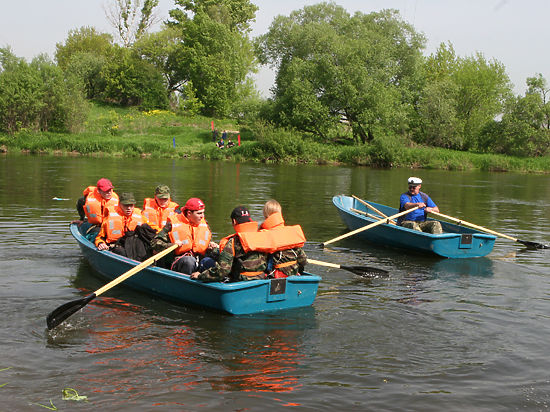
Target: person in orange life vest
point(285, 262)
point(92, 206)
point(190, 231)
point(118, 220)
point(234, 261)
point(157, 209)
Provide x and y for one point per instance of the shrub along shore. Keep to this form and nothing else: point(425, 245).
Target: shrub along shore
point(163, 134)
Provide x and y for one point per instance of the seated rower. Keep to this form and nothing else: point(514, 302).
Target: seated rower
point(285, 262)
point(92, 206)
point(118, 222)
point(417, 219)
point(157, 209)
point(191, 232)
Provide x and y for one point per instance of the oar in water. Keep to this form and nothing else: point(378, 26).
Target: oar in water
point(533, 245)
point(362, 229)
point(64, 311)
point(358, 270)
point(371, 207)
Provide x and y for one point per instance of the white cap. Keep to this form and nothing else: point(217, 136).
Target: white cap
point(414, 181)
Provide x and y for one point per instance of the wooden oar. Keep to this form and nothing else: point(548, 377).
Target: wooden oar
point(533, 245)
point(362, 229)
point(367, 214)
point(64, 311)
point(371, 207)
point(358, 270)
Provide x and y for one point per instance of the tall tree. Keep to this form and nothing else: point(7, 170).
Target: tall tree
point(83, 40)
point(132, 18)
point(215, 53)
point(333, 67)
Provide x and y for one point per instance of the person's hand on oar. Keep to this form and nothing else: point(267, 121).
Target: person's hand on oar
point(64, 311)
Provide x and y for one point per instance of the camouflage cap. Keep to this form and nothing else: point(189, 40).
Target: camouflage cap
point(162, 192)
point(127, 199)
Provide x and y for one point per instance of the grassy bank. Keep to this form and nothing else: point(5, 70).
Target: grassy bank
point(162, 134)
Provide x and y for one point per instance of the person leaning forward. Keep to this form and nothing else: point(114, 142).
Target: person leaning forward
point(289, 258)
point(190, 231)
point(234, 261)
point(417, 218)
point(93, 204)
point(157, 209)
point(118, 221)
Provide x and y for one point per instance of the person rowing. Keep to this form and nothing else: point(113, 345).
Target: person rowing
point(416, 220)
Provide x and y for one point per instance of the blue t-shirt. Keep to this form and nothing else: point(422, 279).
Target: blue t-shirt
point(418, 214)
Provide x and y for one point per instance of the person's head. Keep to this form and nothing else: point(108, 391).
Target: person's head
point(162, 195)
point(126, 202)
point(194, 210)
point(105, 188)
point(240, 215)
point(415, 183)
point(270, 207)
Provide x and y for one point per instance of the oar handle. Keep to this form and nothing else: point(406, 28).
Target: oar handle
point(483, 229)
point(362, 229)
point(134, 270)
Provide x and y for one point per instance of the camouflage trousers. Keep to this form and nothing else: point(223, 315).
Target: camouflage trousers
point(428, 226)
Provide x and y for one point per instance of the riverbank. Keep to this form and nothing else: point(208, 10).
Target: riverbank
point(163, 134)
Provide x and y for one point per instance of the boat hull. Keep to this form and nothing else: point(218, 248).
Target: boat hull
point(237, 298)
point(455, 242)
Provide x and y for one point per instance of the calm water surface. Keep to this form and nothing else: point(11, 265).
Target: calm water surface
point(437, 334)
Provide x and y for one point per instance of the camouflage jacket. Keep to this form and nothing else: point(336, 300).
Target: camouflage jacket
point(290, 255)
point(233, 266)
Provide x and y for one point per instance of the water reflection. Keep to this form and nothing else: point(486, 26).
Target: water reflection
point(135, 340)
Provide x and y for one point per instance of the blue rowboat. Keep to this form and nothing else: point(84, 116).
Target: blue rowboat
point(455, 241)
point(236, 298)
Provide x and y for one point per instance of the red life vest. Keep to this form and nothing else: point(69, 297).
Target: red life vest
point(95, 206)
point(194, 239)
point(117, 224)
point(155, 214)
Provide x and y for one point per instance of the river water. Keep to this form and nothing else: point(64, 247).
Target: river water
point(437, 334)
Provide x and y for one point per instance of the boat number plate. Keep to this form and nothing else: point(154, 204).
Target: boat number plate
point(466, 240)
point(278, 287)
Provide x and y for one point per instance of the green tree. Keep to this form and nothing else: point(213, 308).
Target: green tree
point(83, 40)
point(214, 51)
point(130, 81)
point(37, 96)
point(336, 68)
point(461, 96)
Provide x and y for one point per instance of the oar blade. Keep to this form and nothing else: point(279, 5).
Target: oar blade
point(64, 311)
point(366, 271)
point(533, 245)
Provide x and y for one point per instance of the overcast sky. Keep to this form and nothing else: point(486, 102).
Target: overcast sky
point(514, 32)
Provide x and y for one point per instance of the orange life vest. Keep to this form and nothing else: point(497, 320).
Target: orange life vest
point(95, 206)
point(117, 224)
point(155, 214)
point(273, 240)
point(194, 239)
point(248, 227)
point(276, 224)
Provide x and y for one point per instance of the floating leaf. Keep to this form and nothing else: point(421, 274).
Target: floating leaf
point(70, 394)
point(4, 384)
point(5, 369)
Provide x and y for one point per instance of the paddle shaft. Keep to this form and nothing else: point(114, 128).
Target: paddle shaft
point(484, 229)
point(61, 313)
point(357, 270)
point(368, 214)
point(321, 263)
point(371, 207)
point(362, 229)
point(135, 270)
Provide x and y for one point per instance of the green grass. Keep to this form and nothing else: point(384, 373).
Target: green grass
point(115, 131)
